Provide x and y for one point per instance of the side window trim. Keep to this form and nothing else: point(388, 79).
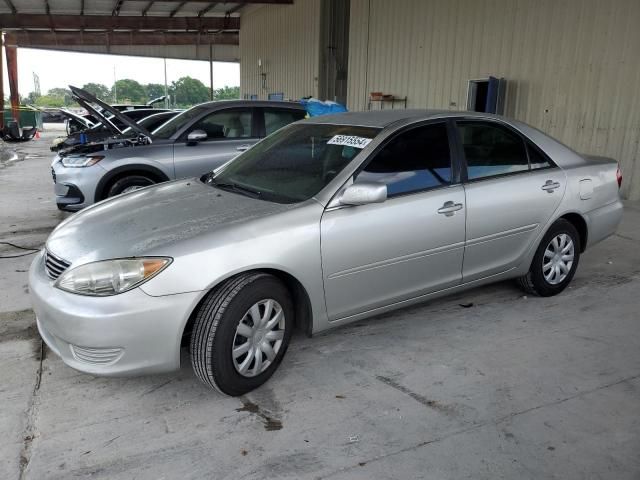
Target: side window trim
point(455, 163)
point(463, 160)
point(183, 135)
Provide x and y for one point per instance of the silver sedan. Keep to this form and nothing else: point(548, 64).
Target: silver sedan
point(325, 222)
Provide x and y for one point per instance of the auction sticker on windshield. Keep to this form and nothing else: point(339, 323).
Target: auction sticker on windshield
point(349, 141)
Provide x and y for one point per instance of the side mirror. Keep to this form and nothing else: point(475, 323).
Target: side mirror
point(196, 136)
point(364, 193)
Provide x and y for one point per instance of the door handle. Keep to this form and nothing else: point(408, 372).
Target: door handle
point(449, 208)
point(550, 186)
point(243, 148)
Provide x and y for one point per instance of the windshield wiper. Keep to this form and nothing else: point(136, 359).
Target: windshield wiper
point(236, 188)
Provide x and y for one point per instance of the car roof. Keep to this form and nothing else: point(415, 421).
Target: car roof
point(251, 103)
point(384, 118)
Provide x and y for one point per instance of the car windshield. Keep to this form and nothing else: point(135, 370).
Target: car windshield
point(295, 163)
point(169, 129)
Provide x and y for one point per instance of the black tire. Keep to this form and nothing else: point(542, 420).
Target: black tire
point(123, 183)
point(534, 282)
point(214, 330)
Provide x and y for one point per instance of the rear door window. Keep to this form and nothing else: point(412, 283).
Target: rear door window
point(275, 119)
point(491, 150)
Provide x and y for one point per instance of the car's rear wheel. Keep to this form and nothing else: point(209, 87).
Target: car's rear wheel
point(555, 261)
point(241, 333)
point(128, 184)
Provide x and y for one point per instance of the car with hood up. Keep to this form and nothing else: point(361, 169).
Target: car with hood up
point(149, 118)
point(75, 122)
point(192, 143)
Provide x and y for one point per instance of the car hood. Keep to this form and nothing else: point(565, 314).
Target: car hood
point(151, 221)
point(74, 116)
point(86, 99)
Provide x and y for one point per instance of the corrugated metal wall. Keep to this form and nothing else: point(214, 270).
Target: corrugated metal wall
point(286, 38)
point(573, 66)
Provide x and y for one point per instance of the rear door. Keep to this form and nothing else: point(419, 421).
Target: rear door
point(229, 132)
point(512, 189)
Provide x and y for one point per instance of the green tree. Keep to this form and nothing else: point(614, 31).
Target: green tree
point(128, 91)
point(30, 99)
point(226, 93)
point(98, 90)
point(62, 93)
point(50, 101)
point(154, 90)
point(188, 91)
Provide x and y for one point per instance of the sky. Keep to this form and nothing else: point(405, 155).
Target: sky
point(59, 69)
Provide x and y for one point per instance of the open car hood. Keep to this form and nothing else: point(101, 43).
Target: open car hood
point(78, 118)
point(85, 98)
point(156, 100)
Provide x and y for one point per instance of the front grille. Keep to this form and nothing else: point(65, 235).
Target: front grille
point(96, 356)
point(53, 265)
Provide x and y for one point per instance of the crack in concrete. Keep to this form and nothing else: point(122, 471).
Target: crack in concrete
point(477, 426)
point(625, 237)
point(31, 430)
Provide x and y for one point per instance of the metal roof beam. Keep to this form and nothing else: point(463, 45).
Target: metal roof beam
point(49, 39)
point(11, 6)
point(148, 6)
point(177, 9)
point(207, 9)
point(116, 8)
point(106, 22)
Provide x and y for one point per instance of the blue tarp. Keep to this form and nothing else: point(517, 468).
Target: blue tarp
point(316, 107)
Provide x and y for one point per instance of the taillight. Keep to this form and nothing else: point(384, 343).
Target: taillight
point(619, 176)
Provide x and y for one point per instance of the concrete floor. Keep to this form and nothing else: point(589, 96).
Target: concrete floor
point(506, 387)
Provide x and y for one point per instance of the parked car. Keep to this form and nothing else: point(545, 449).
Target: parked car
point(192, 143)
point(109, 127)
point(327, 221)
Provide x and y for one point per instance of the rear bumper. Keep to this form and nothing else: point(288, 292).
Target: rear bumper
point(603, 222)
point(127, 334)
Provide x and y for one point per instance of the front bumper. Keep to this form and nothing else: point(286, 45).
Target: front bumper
point(75, 188)
point(127, 334)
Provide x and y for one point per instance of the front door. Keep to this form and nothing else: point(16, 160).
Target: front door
point(229, 132)
point(411, 244)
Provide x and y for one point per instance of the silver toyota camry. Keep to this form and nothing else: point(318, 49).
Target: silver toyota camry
point(326, 221)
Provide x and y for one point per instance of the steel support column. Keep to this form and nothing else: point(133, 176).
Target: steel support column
point(12, 72)
point(210, 71)
point(1, 84)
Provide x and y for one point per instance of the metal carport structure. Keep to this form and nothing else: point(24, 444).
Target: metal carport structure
point(193, 29)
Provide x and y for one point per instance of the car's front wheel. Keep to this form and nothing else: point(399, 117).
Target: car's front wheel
point(241, 332)
point(129, 184)
point(555, 261)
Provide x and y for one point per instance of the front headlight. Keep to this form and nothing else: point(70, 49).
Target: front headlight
point(81, 160)
point(110, 277)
